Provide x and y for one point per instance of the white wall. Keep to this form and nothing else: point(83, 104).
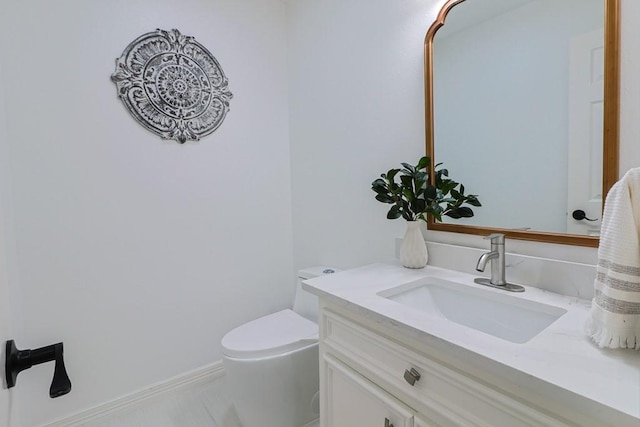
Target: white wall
point(140, 253)
point(357, 109)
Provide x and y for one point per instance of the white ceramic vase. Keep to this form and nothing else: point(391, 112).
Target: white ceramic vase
point(413, 251)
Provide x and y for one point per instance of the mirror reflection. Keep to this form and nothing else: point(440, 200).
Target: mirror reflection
point(518, 110)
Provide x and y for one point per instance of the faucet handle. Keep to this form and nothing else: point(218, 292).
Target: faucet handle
point(496, 238)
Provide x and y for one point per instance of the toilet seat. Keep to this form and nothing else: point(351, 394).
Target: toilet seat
point(271, 335)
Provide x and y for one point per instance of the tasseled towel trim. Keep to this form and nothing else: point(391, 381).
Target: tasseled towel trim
point(616, 332)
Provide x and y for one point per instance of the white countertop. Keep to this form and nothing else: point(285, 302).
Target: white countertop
point(561, 355)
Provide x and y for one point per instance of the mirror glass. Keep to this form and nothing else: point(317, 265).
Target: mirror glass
point(518, 91)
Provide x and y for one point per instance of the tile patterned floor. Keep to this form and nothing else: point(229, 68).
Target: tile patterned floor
point(204, 406)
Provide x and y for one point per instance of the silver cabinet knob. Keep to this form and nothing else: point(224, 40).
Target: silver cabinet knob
point(387, 423)
point(411, 376)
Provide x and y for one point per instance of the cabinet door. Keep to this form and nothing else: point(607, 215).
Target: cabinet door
point(420, 422)
point(353, 401)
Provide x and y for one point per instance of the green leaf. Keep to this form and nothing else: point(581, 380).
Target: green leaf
point(435, 209)
point(409, 167)
point(430, 192)
point(461, 212)
point(408, 216)
point(394, 212)
point(407, 182)
point(408, 194)
point(447, 186)
point(379, 183)
point(473, 201)
point(423, 163)
point(419, 205)
point(421, 177)
point(456, 194)
point(453, 214)
point(384, 198)
point(439, 174)
point(465, 212)
point(380, 189)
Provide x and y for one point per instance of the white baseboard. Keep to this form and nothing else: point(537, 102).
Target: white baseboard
point(190, 379)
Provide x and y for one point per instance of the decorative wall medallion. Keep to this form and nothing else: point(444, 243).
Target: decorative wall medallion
point(172, 85)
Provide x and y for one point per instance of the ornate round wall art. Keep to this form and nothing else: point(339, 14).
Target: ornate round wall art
point(172, 85)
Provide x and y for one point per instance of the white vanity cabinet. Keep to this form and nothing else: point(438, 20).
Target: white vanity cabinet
point(384, 362)
point(366, 382)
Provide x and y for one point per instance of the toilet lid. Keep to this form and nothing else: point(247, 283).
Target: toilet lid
point(270, 335)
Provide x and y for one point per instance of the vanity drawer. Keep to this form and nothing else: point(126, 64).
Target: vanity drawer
point(445, 395)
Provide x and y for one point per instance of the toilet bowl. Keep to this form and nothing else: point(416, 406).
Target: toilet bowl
point(271, 363)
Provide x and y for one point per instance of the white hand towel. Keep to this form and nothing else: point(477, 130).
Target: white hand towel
point(615, 311)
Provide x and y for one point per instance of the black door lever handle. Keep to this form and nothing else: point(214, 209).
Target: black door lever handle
point(579, 215)
point(18, 360)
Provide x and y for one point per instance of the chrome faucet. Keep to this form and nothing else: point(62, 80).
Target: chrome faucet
point(497, 258)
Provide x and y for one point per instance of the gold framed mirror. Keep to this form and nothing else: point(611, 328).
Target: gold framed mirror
point(608, 127)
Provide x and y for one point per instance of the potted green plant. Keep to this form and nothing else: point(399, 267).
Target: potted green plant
point(414, 198)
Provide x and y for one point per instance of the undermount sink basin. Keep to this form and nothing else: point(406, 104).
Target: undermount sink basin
point(503, 316)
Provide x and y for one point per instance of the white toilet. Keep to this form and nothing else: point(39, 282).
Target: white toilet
point(271, 363)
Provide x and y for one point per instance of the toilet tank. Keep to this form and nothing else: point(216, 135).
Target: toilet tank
point(304, 303)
